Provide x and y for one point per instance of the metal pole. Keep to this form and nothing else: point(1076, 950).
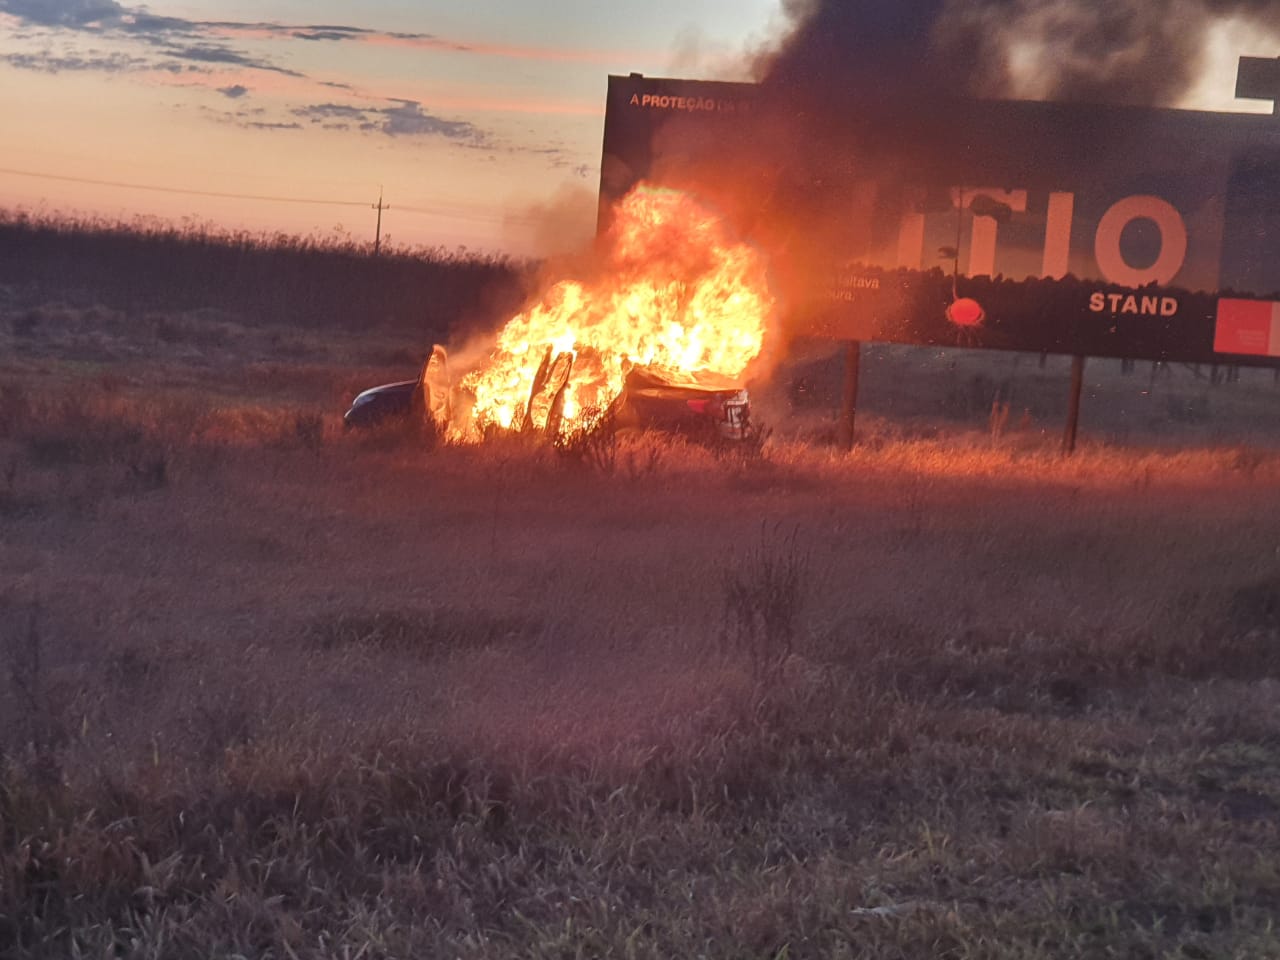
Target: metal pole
point(849, 395)
point(1073, 406)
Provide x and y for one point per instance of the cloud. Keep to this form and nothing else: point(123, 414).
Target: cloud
point(212, 53)
point(299, 31)
point(410, 120)
point(100, 15)
point(140, 22)
point(321, 33)
point(63, 13)
point(181, 46)
point(174, 37)
point(558, 156)
point(49, 62)
point(250, 118)
point(405, 119)
point(328, 111)
point(110, 16)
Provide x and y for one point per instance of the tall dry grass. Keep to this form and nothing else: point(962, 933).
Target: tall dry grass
point(305, 282)
point(269, 689)
point(319, 694)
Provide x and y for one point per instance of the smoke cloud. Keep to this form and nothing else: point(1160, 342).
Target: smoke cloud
point(561, 225)
point(1136, 52)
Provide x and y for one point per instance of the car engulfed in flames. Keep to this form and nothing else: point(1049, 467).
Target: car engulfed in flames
point(660, 333)
point(704, 408)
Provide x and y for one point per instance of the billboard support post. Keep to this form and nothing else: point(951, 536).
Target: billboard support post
point(1073, 406)
point(849, 393)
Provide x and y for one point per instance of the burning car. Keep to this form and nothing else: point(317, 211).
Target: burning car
point(704, 407)
point(659, 330)
point(701, 406)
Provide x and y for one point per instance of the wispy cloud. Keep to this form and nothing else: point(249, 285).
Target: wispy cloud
point(405, 119)
point(213, 53)
point(506, 51)
point(320, 112)
point(199, 53)
point(174, 41)
point(560, 157)
point(47, 61)
point(64, 13)
point(230, 58)
point(111, 16)
point(408, 119)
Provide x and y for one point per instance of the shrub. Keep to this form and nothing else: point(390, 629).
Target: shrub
point(38, 734)
point(763, 600)
point(594, 445)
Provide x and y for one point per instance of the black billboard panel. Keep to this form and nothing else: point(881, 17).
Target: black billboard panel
point(1018, 225)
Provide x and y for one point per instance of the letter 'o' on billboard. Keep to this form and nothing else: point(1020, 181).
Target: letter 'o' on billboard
point(1173, 241)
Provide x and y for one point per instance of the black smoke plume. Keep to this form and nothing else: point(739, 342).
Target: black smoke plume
point(1136, 52)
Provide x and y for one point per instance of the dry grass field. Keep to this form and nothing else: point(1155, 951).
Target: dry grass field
point(272, 690)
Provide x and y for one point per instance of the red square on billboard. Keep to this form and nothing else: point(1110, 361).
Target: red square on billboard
point(1250, 327)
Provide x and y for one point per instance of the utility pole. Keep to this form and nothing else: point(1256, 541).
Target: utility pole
point(377, 237)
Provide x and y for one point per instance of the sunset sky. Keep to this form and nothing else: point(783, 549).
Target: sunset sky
point(470, 116)
point(480, 121)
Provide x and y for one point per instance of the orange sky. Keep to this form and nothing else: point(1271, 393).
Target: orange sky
point(472, 123)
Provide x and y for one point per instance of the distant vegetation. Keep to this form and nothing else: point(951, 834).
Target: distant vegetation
point(276, 278)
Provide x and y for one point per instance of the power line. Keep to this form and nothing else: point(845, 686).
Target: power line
point(182, 190)
point(456, 213)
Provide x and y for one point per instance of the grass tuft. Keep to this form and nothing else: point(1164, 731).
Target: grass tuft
point(763, 603)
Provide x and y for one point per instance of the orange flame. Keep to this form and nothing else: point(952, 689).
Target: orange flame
point(676, 292)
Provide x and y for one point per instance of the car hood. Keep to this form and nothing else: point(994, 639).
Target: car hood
point(400, 386)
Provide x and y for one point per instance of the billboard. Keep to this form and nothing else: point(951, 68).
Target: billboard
point(1018, 225)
